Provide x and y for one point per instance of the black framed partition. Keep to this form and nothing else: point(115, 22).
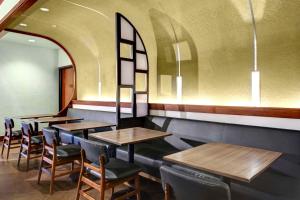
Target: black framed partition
point(132, 72)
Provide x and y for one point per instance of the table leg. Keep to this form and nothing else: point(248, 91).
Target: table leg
point(131, 153)
point(113, 151)
point(227, 181)
point(86, 133)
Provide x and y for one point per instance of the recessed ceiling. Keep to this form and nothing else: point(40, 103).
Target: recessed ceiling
point(28, 40)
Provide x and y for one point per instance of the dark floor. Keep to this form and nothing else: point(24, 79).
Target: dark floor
point(17, 184)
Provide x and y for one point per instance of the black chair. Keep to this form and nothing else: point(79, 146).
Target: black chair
point(189, 184)
point(100, 172)
point(11, 139)
point(31, 144)
point(55, 155)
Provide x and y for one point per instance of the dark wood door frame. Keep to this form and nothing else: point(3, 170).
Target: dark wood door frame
point(60, 85)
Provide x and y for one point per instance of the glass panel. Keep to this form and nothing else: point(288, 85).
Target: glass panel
point(140, 82)
point(139, 44)
point(141, 105)
point(127, 73)
point(125, 97)
point(126, 30)
point(141, 61)
point(126, 51)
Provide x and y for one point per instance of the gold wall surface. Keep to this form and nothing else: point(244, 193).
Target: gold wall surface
point(214, 38)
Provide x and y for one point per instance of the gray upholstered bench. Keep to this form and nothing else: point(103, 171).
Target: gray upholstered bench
point(280, 181)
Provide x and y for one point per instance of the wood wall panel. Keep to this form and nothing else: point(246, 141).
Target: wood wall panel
point(293, 113)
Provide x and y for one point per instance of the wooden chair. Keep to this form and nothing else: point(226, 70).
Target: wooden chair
point(55, 155)
point(11, 139)
point(100, 172)
point(183, 183)
point(31, 144)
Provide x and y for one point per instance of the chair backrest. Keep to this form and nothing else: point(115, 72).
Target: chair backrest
point(94, 150)
point(190, 186)
point(27, 129)
point(50, 136)
point(9, 123)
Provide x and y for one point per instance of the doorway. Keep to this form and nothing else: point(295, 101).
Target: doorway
point(66, 85)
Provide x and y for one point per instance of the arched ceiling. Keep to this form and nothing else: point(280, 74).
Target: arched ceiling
point(214, 36)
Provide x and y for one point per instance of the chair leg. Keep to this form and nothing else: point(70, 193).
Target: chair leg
point(102, 193)
point(79, 185)
point(40, 171)
point(19, 158)
point(3, 147)
point(52, 178)
point(167, 189)
point(8, 149)
point(137, 187)
point(27, 159)
point(112, 193)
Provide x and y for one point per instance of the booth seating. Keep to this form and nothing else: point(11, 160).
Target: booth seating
point(280, 181)
point(89, 115)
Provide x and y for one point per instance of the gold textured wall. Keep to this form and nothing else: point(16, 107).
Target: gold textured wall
point(214, 38)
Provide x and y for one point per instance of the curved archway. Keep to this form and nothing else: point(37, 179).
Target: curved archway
point(74, 93)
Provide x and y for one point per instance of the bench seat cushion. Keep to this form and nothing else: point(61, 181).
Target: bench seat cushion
point(69, 150)
point(117, 169)
point(148, 155)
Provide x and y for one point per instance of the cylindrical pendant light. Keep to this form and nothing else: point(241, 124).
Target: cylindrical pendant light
point(255, 75)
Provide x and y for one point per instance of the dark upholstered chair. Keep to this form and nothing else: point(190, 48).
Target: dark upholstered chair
point(31, 144)
point(188, 184)
point(56, 155)
point(109, 172)
point(11, 139)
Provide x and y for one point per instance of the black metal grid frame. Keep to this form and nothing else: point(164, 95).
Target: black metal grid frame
point(119, 41)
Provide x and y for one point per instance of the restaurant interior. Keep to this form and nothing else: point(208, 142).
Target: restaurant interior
point(149, 100)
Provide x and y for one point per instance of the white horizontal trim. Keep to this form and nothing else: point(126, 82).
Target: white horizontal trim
point(101, 108)
point(270, 122)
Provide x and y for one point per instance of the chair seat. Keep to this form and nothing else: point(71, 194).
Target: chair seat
point(67, 151)
point(117, 169)
point(17, 133)
point(36, 139)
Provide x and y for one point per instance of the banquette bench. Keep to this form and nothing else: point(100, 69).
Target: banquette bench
point(280, 181)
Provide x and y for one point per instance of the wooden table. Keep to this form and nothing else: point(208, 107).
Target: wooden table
point(230, 161)
point(35, 116)
point(129, 137)
point(53, 120)
point(85, 126)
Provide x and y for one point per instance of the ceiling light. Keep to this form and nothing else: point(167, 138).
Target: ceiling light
point(23, 24)
point(53, 26)
point(44, 9)
point(31, 40)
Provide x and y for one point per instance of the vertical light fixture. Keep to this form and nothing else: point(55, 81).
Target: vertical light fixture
point(255, 75)
point(178, 77)
point(99, 79)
